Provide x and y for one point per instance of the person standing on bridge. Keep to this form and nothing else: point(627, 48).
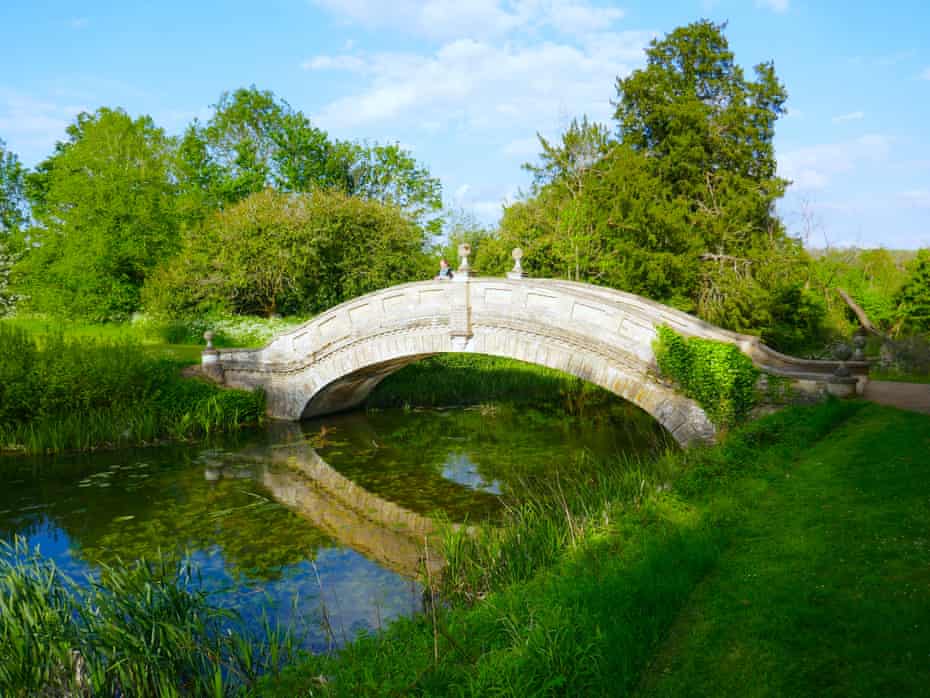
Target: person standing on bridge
point(445, 272)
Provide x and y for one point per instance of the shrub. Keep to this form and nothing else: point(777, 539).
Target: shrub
point(717, 375)
point(288, 253)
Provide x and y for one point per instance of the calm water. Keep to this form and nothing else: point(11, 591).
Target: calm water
point(295, 518)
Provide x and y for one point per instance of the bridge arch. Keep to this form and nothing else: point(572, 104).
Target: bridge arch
point(532, 343)
point(334, 361)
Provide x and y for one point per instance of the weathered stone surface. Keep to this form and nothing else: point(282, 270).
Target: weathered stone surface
point(335, 360)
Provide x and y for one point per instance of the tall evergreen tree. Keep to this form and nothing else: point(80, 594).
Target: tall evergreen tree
point(680, 204)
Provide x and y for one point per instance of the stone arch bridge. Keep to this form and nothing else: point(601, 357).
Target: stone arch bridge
point(332, 362)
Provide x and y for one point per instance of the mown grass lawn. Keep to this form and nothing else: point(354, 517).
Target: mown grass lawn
point(825, 588)
point(109, 332)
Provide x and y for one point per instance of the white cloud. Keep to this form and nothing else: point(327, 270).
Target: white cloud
point(481, 83)
point(31, 126)
point(926, 74)
point(917, 197)
point(446, 19)
point(813, 167)
point(774, 5)
point(485, 202)
point(79, 22)
point(851, 116)
point(352, 64)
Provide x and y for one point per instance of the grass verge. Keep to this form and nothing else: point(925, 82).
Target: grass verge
point(825, 590)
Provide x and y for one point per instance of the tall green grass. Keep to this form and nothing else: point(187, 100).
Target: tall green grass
point(145, 629)
point(76, 393)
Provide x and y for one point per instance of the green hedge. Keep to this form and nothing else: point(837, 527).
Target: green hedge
point(717, 375)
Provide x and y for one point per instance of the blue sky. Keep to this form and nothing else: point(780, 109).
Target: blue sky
point(466, 84)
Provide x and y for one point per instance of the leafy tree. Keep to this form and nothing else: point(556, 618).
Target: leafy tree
point(872, 277)
point(252, 141)
point(914, 297)
point(105, 212)
point(391, 175)
point(275, 252)
point(13, 206)
point(13, 215)
point(488, 256)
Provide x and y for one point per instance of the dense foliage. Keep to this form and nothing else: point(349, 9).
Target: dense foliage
point(288, 253)
point(468, 379)
point(79, 394)
point(872, 277)
point(720, 377)
point(914, 295)
point(85, 230)
point(675, 201)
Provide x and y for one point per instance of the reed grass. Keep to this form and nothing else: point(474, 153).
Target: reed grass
point(143, 629)
point(78, 394)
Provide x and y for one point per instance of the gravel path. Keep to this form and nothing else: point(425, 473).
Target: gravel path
point(906, 396)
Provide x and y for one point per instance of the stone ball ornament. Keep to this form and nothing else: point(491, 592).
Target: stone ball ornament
point(859, 342)
point(842, 352)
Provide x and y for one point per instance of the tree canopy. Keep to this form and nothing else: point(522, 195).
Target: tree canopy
point(296, 253)
point(914, 296)
point(256, 209)
point(105, 212)
point(13, 205)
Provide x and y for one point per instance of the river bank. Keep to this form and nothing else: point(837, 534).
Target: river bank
point(798, 545)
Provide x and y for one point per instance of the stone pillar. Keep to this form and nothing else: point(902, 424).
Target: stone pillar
point(460, 306)
point(841, 384)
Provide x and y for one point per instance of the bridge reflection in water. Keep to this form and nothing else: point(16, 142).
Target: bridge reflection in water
point(392, 536)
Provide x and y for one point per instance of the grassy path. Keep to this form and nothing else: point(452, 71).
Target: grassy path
point(825, 590)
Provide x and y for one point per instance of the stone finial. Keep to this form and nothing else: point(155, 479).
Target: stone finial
point(517, 271)
point(208, 335)
point(464, 271)
point(464, 251)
